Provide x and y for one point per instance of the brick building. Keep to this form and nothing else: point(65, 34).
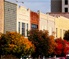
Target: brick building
point(17, 18)
point(10, 16)
point(34, 20)
point(1, 16)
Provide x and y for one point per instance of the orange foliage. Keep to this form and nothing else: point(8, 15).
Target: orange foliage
point(28, 43)
point(17, 39)
point(15, 43)
point(52, 44)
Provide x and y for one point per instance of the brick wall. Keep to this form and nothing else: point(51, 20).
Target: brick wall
point(1, 16)
point(34, 18)
point(10, 16)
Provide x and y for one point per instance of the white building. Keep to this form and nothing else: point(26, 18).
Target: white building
point(17, 18)
point(46, 22)
point(23, 20)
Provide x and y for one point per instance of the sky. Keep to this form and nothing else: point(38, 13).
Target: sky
point(35, 5)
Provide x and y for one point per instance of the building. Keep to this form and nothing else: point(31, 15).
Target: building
point(43, 25)
point(10, 16)
point(23, 20)
point(7, 16)
point(1, 16)
point(61, 23)
point(59, 5)
point(34, 20)
point(20, 19)
point(14, 18)
point(46, 22)
point(56, 5)
point(65, 5)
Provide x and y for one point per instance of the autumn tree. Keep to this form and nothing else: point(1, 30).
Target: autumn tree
point(60, 47)
point(52, 45)
point(66, 49)
point(15, 44)
point(43, 43)
point(66, 35)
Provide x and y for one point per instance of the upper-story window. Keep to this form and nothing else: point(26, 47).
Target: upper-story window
point(34, 26)
point(66, 9)
point(66, 2)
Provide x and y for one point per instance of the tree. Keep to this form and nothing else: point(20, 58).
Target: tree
point(66, 35)
point(42, 42)
point(52, 44)
point(66, 49)
point(15, 44)
point(59, 49)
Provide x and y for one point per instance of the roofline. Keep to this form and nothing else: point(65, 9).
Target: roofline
point(10, 2)
point(58, 13)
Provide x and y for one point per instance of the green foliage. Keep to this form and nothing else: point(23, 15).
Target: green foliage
point(15, 44)
point(66, 35)
point(42, 42)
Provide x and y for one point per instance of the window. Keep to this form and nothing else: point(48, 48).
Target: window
point(50, 31)
point(23, 29)
point(66, 2)
point(56, 32)
point(61, 33)
point(34, 26)
point(64, 32)
point(27, 29)
point(19, 27)
point(66, 9)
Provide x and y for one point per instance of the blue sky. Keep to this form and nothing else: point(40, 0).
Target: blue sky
point(35, 5)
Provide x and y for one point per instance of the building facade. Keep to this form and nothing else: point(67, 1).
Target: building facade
point(10, 16)
point(34, 20)
point(20, 19)
point(17, 18)
point(51, 24)
point(2, 16)
point(23, 20)
point(65, 5)
point(42, 21)
point(46, 22)
point(61, 23)
point(56, 5)
point(59, 5)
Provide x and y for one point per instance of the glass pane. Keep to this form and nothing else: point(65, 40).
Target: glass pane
point(19, 27)
point(34, 26)
point(23, 29)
